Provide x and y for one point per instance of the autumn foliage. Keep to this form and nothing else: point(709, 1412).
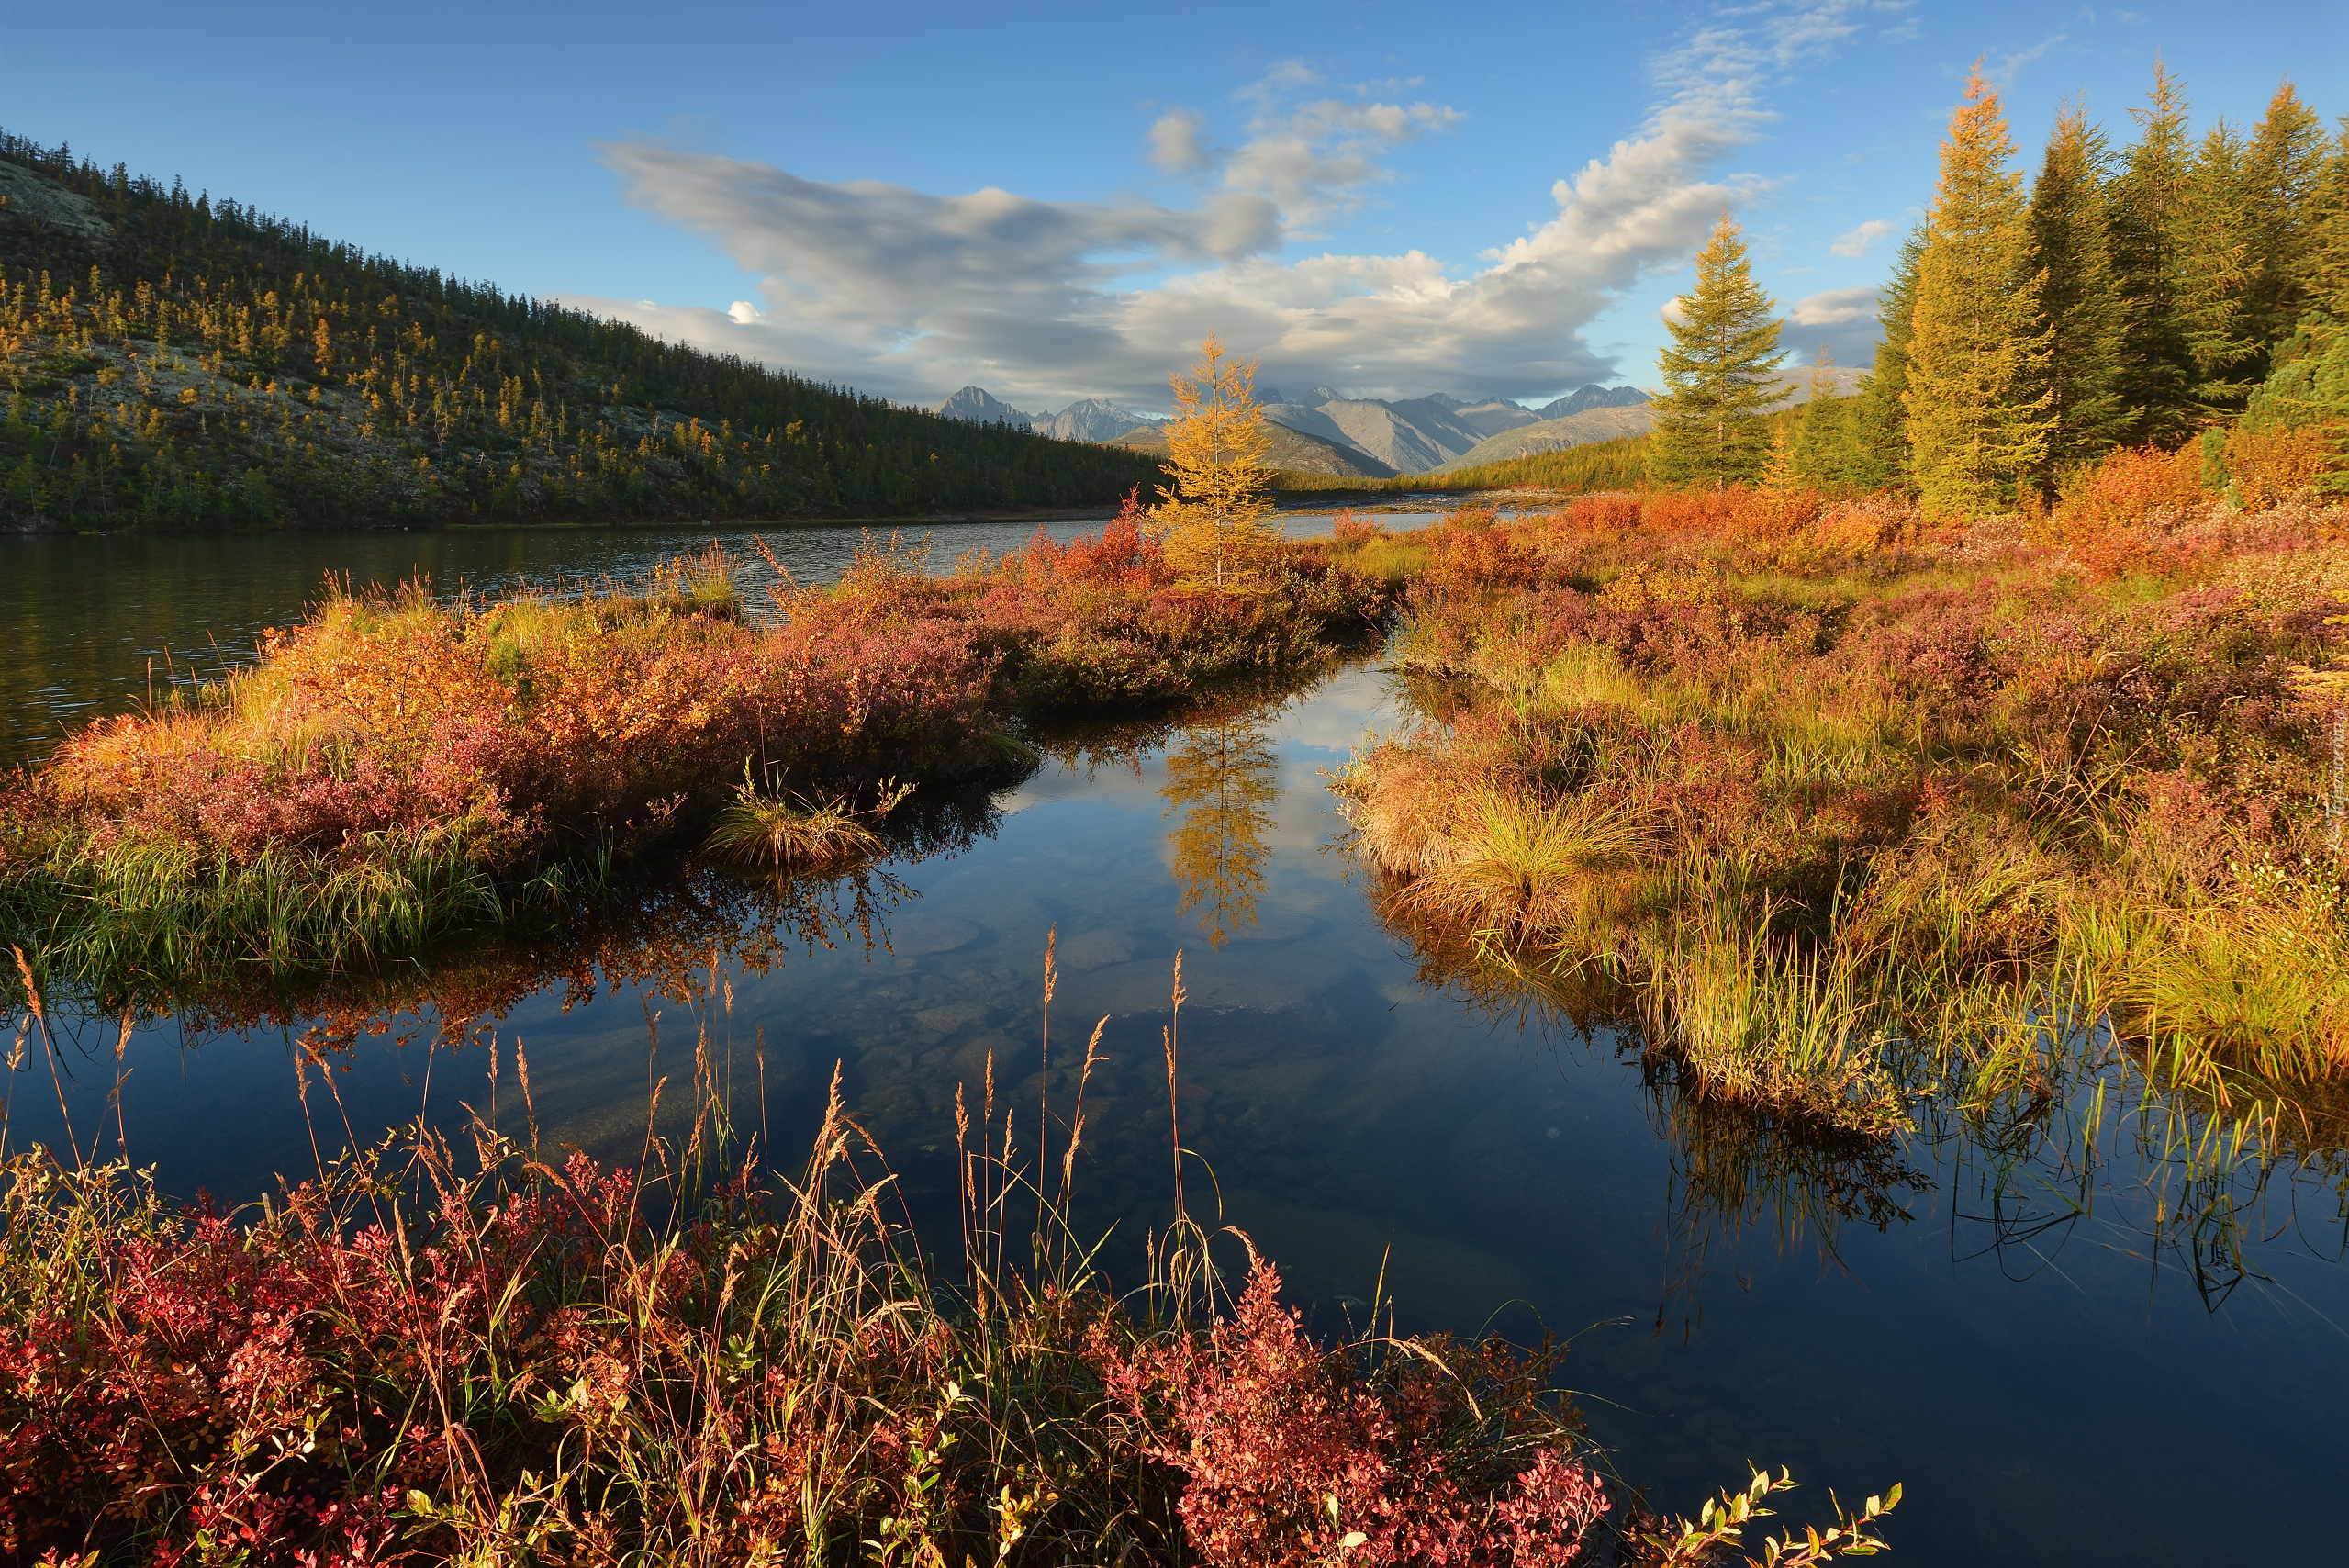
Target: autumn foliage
point(401, 762)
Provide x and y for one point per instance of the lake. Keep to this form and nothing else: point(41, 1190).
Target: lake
point(2088, 1332)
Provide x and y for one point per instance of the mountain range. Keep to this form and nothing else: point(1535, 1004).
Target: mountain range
point(1088, 419)
point(1368, 436)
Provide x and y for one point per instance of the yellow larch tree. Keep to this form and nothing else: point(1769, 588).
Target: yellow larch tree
point(1976, 397)
point(1212, 521)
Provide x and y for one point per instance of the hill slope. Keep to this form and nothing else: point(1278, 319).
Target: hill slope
point(172, 363)
point(1593, 424)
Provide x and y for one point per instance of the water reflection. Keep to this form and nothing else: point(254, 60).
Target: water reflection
point(2054, 1137)
point(1221, 783)
point(2006, 1310)
point(667, 933)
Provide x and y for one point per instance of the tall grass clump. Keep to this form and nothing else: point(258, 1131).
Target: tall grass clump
point(1900, 788)
point(430, 1353)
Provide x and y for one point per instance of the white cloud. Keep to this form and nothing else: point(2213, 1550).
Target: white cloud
point(908, 294)
point(1834, 307)
point(1857, 241)
point(1176, 144)
point(2010, 65)
point(1842, 321)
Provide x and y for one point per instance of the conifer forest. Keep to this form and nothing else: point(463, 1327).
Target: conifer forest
point(171, 362)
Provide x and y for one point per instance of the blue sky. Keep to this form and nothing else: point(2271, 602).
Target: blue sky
point(1054, 201)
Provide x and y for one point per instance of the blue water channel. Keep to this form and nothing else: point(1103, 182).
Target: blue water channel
point(2076, 1336)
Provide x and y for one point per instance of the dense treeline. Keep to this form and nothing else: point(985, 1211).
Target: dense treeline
point(2179, 289)
point(171, 361)
point(2175, 289)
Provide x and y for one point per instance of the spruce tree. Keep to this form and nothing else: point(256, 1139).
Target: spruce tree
point(2079, 312)
point(1882, 416)
point(2148, 228)
point(2287, 162)
point(1817, 440)
point(2325, 265)
point(2215, 274)
point(1975, 399)
point(1720, 372)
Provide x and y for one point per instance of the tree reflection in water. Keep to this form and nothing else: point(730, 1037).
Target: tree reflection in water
point(2188, 1171)
point(1222, 781)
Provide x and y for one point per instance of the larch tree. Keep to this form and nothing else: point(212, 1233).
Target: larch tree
point(2149, 230)
point(1817, 447)
point(1212, 521)
point(1720, 372)
point(1975, 401)
point(2079, 309)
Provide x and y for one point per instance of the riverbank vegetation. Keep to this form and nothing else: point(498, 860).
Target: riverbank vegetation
point(173, 362)
point(2000, 692)
point(1802, 786)
point(401, 765)
point(426, 1356)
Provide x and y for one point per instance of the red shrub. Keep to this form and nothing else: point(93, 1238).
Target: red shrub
point(1617, 511)
point(1469, 560)
point(1290, 1458)
point(1123, 553)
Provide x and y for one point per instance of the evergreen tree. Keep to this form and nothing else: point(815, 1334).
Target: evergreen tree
point(1881, 419)
point(2148, 226)
point(2215, 274)
point(2324, 267)
point(1819, 444)
point(2079, 313)
point(2287, 164)
point(1977, 401)
point(1720, 372)
point(1817, 440)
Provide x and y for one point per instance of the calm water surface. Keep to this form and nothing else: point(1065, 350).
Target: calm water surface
point(2073, 1343)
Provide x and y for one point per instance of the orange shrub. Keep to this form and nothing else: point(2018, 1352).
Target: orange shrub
point(2270, 466)
point(1733, 514)
point(1614, 511)
point(1468, 559)
point(2126, 488)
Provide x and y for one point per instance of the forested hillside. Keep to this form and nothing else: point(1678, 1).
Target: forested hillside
point(173, 362)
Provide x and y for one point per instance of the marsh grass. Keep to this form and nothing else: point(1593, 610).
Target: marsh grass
point(492, 1352)
point(759, 828)
point(1903, 793)
point(143, 907)
point(1760, 1019)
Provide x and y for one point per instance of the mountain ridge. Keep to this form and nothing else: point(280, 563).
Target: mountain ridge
point(1385, 436)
